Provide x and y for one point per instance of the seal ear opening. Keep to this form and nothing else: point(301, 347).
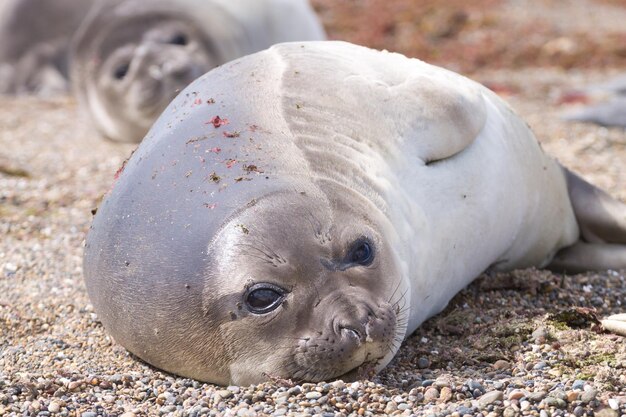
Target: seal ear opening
point(602, 223)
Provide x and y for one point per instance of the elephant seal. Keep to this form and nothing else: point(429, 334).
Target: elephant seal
point(328, 201)
point(130, 58)
point(34, 39)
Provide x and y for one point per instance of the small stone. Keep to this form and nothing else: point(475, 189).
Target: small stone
point(555, 402)
point(73, 385)
point(516, 394)
point(423, 363)
point(490, 398)
point(431, 394)
point(54, 406)
point(540, 365)
point(501, 364)
point(313, 395)
point(572, 396)
point(427, 382)
point(89, 414)
point(589, 395)
point(579, 411)
point(475, 385)
point(524, 405)
point(614, 403)
point(578, 384)
point(540, 335)
point(445, 395)
point(391, 407)
point(339, 384)
point(606, 412)
point(509, 412)
point(234, 389)
point(129, 414)
point(544, 413)
point(224, 393)
point(537, 396)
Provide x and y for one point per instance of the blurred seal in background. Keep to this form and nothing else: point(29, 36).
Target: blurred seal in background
point(34, 42)
point(131, 57)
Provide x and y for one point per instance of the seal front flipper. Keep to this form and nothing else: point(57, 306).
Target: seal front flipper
point(602, 223)
point(454, 118)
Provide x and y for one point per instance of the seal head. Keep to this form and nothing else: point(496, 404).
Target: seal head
point(131, 59)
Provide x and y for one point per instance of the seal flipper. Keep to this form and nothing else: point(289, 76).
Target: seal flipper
point(602, 222)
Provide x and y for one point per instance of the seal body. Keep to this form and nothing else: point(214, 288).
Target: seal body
point(34, 49)
point(327, 201)
point(130, 58)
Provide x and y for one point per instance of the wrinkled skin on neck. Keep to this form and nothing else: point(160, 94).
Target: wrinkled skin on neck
point(337, 318)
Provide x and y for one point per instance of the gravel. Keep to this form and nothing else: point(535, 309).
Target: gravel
point(500, 348)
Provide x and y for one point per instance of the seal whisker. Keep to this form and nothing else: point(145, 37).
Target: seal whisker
point(395, 289)
point(273, 253)
point(255, 248)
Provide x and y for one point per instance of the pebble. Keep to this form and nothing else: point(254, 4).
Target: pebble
point(54, 406)
point(554, 402)
point(589, 395)
point(490, 398)
point(431, 394)
point(313, 395)
point(423, 363)
point(536, 396)
point(509, 412)
point(540, 335)
point(516, 394)
point(578, 384)
point(475, 385)
point(225, 394)
point(613, 403)
point(524, 405)
point(445, 394)
point(606, 412)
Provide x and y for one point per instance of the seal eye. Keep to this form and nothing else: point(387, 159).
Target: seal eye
point(263, 298)
point(362, 253)
point(179, 39)
point(121, 71)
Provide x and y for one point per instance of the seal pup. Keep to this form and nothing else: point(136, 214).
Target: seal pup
point(328, 201)
point(131, 57)
point(34, 39)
